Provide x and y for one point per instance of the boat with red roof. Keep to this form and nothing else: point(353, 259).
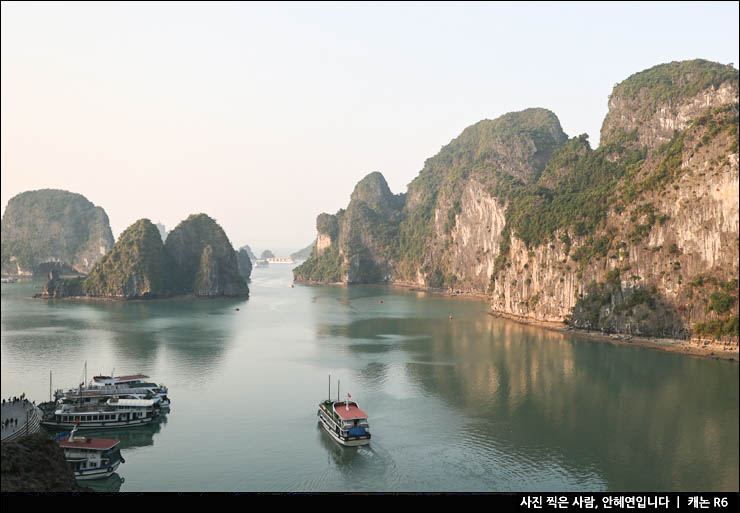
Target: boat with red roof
point(91, 458)
point(345, 422)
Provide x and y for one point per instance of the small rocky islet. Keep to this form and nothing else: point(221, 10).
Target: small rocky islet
point(196, 259)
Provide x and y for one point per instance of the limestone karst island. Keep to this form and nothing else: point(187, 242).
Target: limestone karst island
point(638, 236)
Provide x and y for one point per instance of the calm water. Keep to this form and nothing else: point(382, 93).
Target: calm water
point(472, 404)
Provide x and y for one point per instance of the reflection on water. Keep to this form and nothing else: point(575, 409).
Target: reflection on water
point(542, 403)
point(472, 403)
point(110, 484)
point(128, 335)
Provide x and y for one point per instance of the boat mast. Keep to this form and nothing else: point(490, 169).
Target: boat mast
point(49, 386)
point(338, 390)
point(330, 387)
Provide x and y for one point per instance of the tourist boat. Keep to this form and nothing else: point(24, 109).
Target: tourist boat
point(92, 397)
point(91, 458)
point(113, 413)
point(104, 387)
point(345, 422)
point(95, 394)
point(133, 381)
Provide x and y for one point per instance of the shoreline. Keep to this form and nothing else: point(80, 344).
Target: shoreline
point(182, 297)
point(705, 348)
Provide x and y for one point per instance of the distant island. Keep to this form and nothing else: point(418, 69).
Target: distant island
point(196, 259)
point(303, 254)
point(53, 230)
point(638, 236)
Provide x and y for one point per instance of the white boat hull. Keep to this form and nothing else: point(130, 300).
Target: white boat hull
point(98, 425)
point(96, 473)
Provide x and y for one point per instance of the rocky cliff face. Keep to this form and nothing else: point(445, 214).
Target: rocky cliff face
point(197, 259)
point(664, 98)
point(36, 463)
point(251, 255)
point(245, 264)
point(136, 267)
point(357, 238)
point(638, 236)
point(53, 226)
point(205, 259)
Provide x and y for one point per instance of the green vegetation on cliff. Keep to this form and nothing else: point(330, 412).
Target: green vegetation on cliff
point(363, 237)
point(504, 154)
point(328, 268)
point(197, 259)
point(610, 308)
point(137, 266)
point(206, 262)
point(52, 225)
point(546, 213)
point(666, 82)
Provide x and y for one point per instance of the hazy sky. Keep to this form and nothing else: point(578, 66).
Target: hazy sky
point(265, 115)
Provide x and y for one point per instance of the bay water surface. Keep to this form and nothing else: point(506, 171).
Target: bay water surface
point(472, 403)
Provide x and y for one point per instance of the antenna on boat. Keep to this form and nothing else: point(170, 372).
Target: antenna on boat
point(49, 386)
point(338, 390)
point(330, 387)
point(85, 373)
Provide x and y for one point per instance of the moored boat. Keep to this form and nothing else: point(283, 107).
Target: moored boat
point(113, 413)
point(344, 421)
point(91, 458)
point(133, 381)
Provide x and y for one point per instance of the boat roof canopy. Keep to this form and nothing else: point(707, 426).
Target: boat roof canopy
point(120, 379)
point(353, 413)
point(131, 402)
point(92, 444)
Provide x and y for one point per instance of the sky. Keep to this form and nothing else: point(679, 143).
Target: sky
point(265, 115)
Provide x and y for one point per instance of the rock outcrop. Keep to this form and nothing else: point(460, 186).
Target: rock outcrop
point(53, 226)
point(197, 259)
point(352, 246)
point(303, 254)
point(245, 264)
point(36, 463)
point(637, 236)
point(162, 231)
point(251, 255)
point(206, 261)
point(137, 267)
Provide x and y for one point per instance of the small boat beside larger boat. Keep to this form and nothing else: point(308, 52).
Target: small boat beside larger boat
point(91, 458)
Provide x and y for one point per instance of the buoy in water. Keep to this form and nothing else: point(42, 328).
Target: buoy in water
point(380, 301)
point(236, 309)
point(450, 317)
